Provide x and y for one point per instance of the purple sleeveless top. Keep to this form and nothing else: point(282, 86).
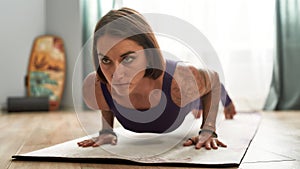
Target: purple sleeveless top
point(163, 118)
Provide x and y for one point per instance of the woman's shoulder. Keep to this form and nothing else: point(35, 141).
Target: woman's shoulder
point(187, 84)
point(92, 93)
point(185, 72)
point(185, 68)
point(182, 87)
point(189, 73)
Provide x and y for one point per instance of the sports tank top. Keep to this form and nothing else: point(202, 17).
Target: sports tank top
point(163, 118)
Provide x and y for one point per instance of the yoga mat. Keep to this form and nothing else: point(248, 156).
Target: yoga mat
point(160, 149)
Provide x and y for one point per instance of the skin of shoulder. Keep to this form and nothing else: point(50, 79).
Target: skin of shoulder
point(92, 93)
point(189, 83)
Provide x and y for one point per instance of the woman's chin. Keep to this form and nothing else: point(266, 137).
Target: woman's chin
point(121, 91)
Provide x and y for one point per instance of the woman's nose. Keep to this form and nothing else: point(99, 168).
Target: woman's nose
point(119, 72)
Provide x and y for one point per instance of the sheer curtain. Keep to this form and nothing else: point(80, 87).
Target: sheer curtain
point(242, 33)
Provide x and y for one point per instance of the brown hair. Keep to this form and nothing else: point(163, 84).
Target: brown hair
point(129, 24)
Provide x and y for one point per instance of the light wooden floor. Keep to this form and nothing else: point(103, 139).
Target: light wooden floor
point(276, 145)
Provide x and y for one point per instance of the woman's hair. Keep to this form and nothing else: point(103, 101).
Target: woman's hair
point(127, 23)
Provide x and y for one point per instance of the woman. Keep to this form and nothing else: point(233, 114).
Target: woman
point(145, 92)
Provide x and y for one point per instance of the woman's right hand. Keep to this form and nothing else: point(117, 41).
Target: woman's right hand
point(100, 140)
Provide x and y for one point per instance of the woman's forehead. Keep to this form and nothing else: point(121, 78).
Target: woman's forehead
point(110, 44)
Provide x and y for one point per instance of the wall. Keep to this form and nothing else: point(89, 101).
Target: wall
point(63, 19)
point(21, 21)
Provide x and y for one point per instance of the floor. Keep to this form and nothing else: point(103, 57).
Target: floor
point(276, 144)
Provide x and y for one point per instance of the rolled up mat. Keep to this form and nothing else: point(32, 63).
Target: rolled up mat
point(23, 104)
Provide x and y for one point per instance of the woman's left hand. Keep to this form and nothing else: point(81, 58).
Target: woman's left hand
point(206, 140)
point(229, 111)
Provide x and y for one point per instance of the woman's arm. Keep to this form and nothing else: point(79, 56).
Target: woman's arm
point(209, 89)
point(89, 92)
point(94, 99)
point(194, 83)
point(210, 100)
point(107, 120)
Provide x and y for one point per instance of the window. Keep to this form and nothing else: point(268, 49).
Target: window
point(242, 33)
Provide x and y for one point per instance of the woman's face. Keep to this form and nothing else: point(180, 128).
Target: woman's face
point(122, 61)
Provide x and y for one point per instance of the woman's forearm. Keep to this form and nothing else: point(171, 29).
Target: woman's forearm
point(210, 103)
point(107, 119)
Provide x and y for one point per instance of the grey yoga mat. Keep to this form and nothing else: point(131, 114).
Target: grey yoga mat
point(154, 149)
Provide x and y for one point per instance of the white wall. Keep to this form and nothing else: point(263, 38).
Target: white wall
point(63, 19)
point(21, 21)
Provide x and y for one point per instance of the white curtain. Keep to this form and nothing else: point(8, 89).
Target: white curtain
point(241, 32)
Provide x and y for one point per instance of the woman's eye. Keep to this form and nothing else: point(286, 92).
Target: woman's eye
point(128, 59)
point(105, 60)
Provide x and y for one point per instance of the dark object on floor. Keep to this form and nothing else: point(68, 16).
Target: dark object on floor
point(23, 104)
